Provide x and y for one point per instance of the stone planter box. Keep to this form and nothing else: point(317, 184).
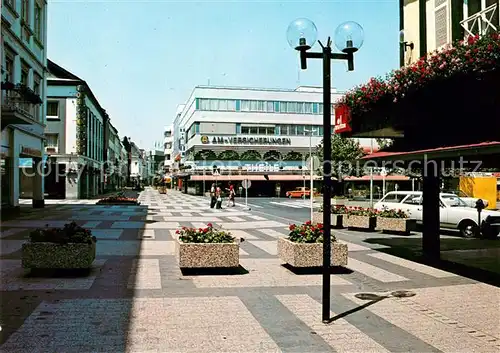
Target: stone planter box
point(336, 219)
point(361, 222)
point(58, 256)
point(311, 254)
point(399, 225)
point(339, 202)
point(208, 255)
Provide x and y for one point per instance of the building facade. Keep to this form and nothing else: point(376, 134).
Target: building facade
point(179, 141)
point(24, 58)
point(75, 137)
point(113, 177)
point(168, 145)
point(432, 24)
point(265, 135)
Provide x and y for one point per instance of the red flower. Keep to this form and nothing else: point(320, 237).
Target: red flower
point(209, 225)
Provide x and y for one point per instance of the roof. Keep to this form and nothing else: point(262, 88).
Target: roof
point(441, 152)
point(64, 77)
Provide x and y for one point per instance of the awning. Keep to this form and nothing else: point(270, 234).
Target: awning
point(294, 177)
point(227, 177)
point(484, 148)
point(378, 178)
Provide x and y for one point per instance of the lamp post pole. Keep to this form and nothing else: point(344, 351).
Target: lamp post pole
point(302, 35)
point(311, 173)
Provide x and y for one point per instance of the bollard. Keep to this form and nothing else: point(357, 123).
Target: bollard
point(479, 207)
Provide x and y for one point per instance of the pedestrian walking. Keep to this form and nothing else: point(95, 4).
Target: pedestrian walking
point(213, 198)
point(231, 197)
point(218, 195)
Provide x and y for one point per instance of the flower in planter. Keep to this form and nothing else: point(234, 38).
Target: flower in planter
point(70, 233)
point(361, 211)
point(204, 235)
point(387, 213)
point(335, 209)
point(307, 233)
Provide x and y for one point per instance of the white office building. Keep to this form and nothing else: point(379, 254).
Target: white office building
point(168, 141)
point(263, 135)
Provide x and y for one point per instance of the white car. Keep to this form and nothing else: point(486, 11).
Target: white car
point(454, 213)
point(470, 201)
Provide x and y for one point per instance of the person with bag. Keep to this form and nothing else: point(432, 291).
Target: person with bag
point(232, 195)
point(218, 195)
point(213, 199)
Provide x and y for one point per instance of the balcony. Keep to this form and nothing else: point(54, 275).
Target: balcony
point(482, 22)
point(19, 105)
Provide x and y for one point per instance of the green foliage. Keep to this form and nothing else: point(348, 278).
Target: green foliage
point(272, 155)
point(361, 211)
point(81, 124)
point(293, 156)
point(387, 213)
point(250, 155)
point(205, 155)
point(307, 233)
point(70, 233)
point(345, 153)
point(384, 143)
point(229, 156)
point(204, 235)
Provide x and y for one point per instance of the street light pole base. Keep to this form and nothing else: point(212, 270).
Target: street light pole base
point(326, 322)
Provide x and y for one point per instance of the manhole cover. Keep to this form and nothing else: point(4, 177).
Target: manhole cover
point(368, 296)
point(402, 294)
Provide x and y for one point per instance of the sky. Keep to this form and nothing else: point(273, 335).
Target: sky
point(143, 58)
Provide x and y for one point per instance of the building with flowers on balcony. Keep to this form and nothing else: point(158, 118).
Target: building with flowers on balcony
point(441, 107)
point(24, 57)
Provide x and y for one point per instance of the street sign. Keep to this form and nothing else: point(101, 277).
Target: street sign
point(246, 183)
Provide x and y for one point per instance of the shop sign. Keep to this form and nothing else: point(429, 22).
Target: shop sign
point(30, 151)
point(262, 167)
point(219, 140)
point(342, 119)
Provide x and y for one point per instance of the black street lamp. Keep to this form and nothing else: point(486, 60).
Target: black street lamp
point(302, 35)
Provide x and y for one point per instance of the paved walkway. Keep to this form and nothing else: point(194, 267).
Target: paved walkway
point(137, 300)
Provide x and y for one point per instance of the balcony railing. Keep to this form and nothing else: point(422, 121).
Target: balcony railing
point(16, 102)
point(482, 22)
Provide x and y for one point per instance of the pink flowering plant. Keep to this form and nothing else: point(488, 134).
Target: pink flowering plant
point(361, 211)
point(204, 235)
point(390, 213)
point(473, 55)
point(307, 233)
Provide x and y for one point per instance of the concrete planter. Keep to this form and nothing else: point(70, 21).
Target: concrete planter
point(339, 202)
point(400, 225)
point(310, 254)
point(208, 255)
point(361, 222)
point(58, 256)
point(118, 203)
point(336, 219)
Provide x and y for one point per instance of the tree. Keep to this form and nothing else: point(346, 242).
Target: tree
point(128, 148)
point(344, 159)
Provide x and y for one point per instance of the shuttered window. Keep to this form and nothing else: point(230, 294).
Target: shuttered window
point(441, 22)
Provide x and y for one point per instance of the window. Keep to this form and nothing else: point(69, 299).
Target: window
point(394, 198)
point(223, 105)
point(300, 107)
point(320, 106)
point(254, 106)
point(300, 130)
point(9, 67)
point(254, 130)
point(231, 105)
point(214, 104)
point(283, 130)
point(245, 130)
point(270, 106)
point(292, 130)
point(25, 11)
point(308, 108)
point(25, 74)
point(10, 3)
point(52, 110)
point(52, 140)
point(245, 106)
point(37, 84)
point(413, 200)
point(38, 21)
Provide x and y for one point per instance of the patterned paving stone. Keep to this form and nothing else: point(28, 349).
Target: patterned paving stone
point(340, 335)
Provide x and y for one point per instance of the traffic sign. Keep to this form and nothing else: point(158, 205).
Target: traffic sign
point(246, 183)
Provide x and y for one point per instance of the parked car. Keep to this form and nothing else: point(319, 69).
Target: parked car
point(454, 212)
point(470, 201)
point(301, 192)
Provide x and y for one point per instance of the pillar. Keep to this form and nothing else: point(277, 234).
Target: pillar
point(14, 171)
point(431, 212)
point(38, 187)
